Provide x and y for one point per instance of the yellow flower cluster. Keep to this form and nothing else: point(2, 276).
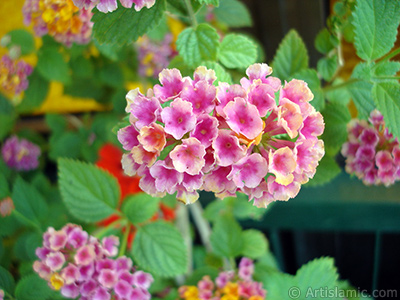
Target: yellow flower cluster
point(60, 16)
point(229, 292)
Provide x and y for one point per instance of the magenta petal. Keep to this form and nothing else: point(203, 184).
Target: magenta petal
point(249, 171)
point(148, 184)
point(166, 177)
point(206, 130)
point(263, 97)
point(202, 96)
point(227, 148)
point(172, 84)
point(106, 6)
point(144, 110)
point(127, 136)
point(189, 156)
point(227, 93)
point(243, 118)
point(202, 73)
point(217, 181)
point(178, 118)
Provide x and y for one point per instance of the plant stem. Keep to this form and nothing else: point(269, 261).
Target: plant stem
point(339, 86)
point(391, 54)
point(388, 77)
point(183, 224)
point(191, 13)
point(202, 225)
point(124, 243)
point(102, 232)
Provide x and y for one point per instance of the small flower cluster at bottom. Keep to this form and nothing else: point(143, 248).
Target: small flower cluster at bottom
point(372, 153)
point(81, 266)
point(227, 286)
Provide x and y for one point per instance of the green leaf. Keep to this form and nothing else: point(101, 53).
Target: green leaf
point(159, 248)
point(233, 13)
point(237, 51)
point(386, 68)
point(387, 99)
point(339, 96)
point(56, 123)
point(82, 67)
point(89, 193)
point(65, 144)
point(178, 7)
point(52, 65)
point(323, 42)
point(7, 117)
point(317, 274)
point(220, 72)
point(291, 56)
point(376, 23)
point(214, 209)
point(199, 273)
point(7, 282)
point(22, 38)
point(278, 285)
point(327, 67)
point(32, 287)
point(29, 203)
point(111, 75)
point(140, 207)
point(311, 77)
point(4, 189)
point(198, 44)
point(209, 2)
point(226, 237)
point(178, 63)
point(35, 94)
point(112, 52)
point(255, 243)
point(126, 25)
point(243, 209)
point(336, 118)
point(360, 91)
point(327, 170)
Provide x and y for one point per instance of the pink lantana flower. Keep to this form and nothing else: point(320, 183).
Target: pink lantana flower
point(228, 139)
point(372, 153)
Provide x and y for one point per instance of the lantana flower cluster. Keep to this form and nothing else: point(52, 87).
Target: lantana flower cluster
point(20, 154)
point(372, 153)
point(154, 56)
point(14, 76)
point(81, 266)
point(61, 19)
point(227, 286)
point(187, 135)
point(106, 6)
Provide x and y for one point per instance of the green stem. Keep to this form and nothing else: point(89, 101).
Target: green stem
point(339, 86)
point(391, 54)
point(191, 13)
point(102, 232)
point(388, 77)
point(202, 225)
point(124, 243)
point(7, 294)
point(33, 224)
